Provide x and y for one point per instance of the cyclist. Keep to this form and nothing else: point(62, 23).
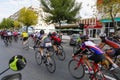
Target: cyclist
point(43, 38)
point(15, 35)
point(25, 37)
point(56, 40)
point(97, 53)
point(114, 51)
point(9, 35)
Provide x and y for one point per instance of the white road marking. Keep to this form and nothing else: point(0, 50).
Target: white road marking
point(111, 78)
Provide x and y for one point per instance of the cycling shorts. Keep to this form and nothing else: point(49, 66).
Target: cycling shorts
point(25, 38)
point(97, 58)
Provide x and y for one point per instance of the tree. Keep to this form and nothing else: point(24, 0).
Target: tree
point(28, 17)
point(16, 24)
point(109, 8)
point(60, 10)
point(7, 23)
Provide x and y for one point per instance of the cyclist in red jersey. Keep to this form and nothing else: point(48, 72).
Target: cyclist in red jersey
point(112, 43)
point(56, 40)
point(110, 52)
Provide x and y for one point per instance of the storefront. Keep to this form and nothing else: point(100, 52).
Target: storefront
point(109, 27)
point(92, 27)
point(93, 31)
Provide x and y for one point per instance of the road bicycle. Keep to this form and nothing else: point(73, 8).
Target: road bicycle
point(76, 67)
point(47, 59)
point(60, 53)
point(26, 45)
point(76, 47)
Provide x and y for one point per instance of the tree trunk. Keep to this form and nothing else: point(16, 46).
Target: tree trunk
point(60, 35)
point(27, 29)
point(114, 24)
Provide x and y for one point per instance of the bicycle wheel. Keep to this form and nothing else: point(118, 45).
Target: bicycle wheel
point(76, 71)
point(99, 76)
point(6, 43)
point(61, 53)
point(26, 46)
point(75, 48)
point(38, 57)
point(117, 60)
point(50, 64)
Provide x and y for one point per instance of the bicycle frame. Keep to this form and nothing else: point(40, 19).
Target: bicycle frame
point(81, 61)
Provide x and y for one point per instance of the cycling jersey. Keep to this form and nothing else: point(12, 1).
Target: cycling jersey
point(92, 47)
point(24, 34)
point(110, 42)
point(45, 41)
point(56, 40)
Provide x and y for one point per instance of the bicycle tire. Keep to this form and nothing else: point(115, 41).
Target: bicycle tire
point(117, 60)
point(79, 70)
point(38, 57)
point(99, 76)
point(61, 55)
point(6, 43)
point(75, 48)
point(51, 65)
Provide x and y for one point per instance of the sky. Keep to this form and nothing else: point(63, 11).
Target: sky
point(9, 7)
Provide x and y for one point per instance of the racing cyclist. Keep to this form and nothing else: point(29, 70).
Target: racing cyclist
point(25, 37)
point(56, 40)
point(97, 53)
point(114, 51)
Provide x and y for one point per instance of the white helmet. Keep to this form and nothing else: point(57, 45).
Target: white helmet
point(102, 35)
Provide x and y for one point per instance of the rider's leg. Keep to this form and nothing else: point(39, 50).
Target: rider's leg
point(41, 51)
point(111, 61)
point(87, 63)
point(25, 40)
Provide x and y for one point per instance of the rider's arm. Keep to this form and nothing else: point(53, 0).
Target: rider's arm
point(101, 45)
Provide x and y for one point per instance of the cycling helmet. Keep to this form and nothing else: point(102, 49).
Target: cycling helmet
point(102, 35)
point(54, 33)
point(84, 37)
point(42, 32)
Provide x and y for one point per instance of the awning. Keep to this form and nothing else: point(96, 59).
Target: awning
point(109, 20)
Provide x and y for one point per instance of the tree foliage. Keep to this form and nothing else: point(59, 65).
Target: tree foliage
point(16, 24)
point(60, 10)
point(28, 17)
point(109, 8)
point(7, 23)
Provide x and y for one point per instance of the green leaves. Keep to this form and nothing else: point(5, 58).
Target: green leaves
point(7, 23)
point(60, 10)
point(28, 17)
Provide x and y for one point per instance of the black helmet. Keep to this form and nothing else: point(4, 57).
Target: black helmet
point(42, 32)
point(84, 37)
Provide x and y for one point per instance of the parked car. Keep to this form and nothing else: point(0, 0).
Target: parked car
point(73, 39)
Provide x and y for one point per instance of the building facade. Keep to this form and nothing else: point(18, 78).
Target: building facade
point(92, 27)
point(41, 23)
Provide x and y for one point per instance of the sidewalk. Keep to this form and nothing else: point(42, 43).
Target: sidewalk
point(67, 38)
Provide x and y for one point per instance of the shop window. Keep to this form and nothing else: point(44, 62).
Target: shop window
point(111, 24)
point(94, 33)
point(118, 24)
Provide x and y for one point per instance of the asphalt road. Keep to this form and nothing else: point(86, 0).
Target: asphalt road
point(32, 71)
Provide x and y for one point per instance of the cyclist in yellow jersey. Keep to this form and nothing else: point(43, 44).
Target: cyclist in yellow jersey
point(25, 37)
